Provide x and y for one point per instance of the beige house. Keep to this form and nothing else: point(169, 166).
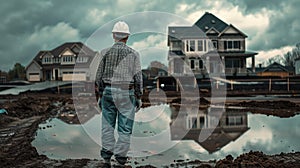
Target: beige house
point(67, 62)
point(276, 69)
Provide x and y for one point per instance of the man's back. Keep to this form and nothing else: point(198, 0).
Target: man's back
point(119, 62)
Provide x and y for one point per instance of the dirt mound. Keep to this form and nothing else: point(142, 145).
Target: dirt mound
point(259, 159)
point(202, 101)
point(33, 106)
point(282, 108)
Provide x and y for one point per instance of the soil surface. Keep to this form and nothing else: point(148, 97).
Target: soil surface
point(25, 112)
point(283, 108)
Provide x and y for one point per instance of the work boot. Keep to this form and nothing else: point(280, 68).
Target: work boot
point(107, 163)
point(121, 161)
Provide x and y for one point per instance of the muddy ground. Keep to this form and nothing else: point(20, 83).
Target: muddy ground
point(26, 112)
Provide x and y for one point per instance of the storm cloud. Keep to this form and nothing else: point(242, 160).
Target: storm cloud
point(30, 26)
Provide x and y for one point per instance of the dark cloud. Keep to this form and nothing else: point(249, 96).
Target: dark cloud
point(23, 21)
point(257, 5)
point(27, 25)
point(284, 26)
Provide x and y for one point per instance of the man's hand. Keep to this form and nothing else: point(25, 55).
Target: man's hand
point(99, 102)
point(138, 105)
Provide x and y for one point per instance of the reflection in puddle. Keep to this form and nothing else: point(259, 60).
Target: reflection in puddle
point(186, 135)
point(217, 129)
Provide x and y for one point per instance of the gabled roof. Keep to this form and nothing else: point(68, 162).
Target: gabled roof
point(212, 30)
point(208, 21)
point(184, 32)
point(84, 51)
point(67, 50)
point(180, 32)
point(234, 28)
point(58, 50)
point(37, 58)
point(218, 139)
point(33, 62)
point(276, 67)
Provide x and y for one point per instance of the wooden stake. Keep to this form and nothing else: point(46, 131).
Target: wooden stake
point(157, 84)
point(270, 85)
point(288, 84)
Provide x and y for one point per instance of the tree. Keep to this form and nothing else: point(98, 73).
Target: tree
point(288, 58)
point(17, 73)
point(277, 58)
point(291, 56)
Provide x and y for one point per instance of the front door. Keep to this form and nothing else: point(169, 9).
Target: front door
point(56, 74)
point(48, 75)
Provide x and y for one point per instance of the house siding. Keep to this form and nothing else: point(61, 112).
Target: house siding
point(297, 67)
point(33, 72)
point(61, 63)
point(231, 44)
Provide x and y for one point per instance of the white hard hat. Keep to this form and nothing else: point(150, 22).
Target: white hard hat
point(121, 27)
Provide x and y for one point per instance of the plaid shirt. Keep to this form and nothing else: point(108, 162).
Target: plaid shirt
point(120, 64)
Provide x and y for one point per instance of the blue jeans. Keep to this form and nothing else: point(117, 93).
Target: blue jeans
point(117, 106)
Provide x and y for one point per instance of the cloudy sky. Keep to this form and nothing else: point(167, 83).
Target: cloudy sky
point(273, 27)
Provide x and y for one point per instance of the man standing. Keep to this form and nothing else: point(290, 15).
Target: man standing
point(119, 81)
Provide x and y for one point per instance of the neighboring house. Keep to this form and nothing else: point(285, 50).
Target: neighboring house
point(297, 66)
point(156, 69)
point(3, 77)
point(206, 129)
point(67, 62)
point(275, 69)
point(206, 46)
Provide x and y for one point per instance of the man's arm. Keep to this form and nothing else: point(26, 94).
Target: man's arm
point(99, 75)
point(138, 79)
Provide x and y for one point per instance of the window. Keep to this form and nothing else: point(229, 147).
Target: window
point(67, 59)
point(200, 45)
point(82, 59)
point(176, 45)
point(192, 45)
point(68, 72)
point(47, 60)
point(233, 63)
point(201, 64)
point(196, 45)
point(236, 44)
point(232, 45)
point(234, 120)
point(215, 44)
point(192, 64)
point(56, 60)
point(202, 122)
point(196, 122)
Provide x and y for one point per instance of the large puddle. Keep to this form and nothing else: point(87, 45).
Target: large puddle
point(162, 135)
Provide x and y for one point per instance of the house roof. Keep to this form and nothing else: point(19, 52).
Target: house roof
point(71, 45)
point(239, 54)
point(276, 67)
point(234, 28)
point(213, 53)
point(78, 48)
point(184, 32)
point(208, 21)
point(33, 62)
point(207, 24)
point(217, 139)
